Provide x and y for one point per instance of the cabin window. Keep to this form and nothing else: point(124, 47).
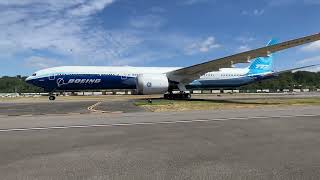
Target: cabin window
point(34, 74)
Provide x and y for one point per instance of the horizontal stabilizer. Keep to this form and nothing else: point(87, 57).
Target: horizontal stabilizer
point(295, 69)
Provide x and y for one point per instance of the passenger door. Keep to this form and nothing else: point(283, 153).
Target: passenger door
point(52, 77)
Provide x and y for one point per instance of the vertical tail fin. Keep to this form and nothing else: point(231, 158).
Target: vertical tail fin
point(263, 64)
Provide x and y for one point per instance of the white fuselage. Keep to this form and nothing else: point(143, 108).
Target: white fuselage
point(123, 77)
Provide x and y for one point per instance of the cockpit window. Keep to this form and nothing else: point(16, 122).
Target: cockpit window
point(34, 74)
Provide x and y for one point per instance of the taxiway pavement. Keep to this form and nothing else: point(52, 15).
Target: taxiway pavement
point(264, 143)
point(44, 108)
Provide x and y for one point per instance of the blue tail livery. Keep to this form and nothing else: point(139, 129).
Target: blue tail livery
point(263, 64)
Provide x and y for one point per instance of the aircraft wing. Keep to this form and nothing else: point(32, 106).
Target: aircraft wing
point(188, 74)
point(295, 69)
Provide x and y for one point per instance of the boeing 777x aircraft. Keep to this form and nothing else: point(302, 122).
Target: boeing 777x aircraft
point(217, 73)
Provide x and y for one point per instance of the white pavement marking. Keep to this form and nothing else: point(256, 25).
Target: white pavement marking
point(92, 108)
point(154, 123)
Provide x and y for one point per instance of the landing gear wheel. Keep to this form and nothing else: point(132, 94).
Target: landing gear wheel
point(167, 96)
point(52, 98)
point(185, 96)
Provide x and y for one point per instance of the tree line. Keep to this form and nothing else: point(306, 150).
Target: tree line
point(289, 80)
point(17, 84)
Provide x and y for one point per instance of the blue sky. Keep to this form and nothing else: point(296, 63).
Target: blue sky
point(36, 34)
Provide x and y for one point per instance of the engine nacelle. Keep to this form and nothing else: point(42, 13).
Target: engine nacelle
point(152, 84)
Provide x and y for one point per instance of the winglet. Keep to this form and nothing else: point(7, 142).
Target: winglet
point(273, 41)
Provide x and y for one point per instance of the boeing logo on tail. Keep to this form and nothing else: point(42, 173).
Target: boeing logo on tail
point(262, 66)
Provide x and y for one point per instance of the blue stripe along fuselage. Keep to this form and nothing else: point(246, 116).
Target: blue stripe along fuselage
point(95, 81)
point(84, 82)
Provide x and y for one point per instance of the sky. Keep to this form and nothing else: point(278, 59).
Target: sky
point(37, 34)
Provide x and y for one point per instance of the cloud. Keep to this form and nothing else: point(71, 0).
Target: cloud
point(312, 2)
point(157, 9)
point(90, 7)
point(315, 46)
point(255, 12)
point(244, 39)
point(280, 2)
point(42, 34)
point(291, 2)
point(315, 59)
point(202, 46)
point(208, 44)
point(192, 2)
point(40, 62)
point(243, 48)
point(314, 69)
point(141, 59)
point(310, 69)
point(147, 21)
point(258, 12)
point(310, 61)
point(62, 28)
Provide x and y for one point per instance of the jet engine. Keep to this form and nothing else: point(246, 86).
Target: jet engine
point(152, 84)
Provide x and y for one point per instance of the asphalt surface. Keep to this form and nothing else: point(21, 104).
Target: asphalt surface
point(119, 106)
point(268, 143)
point(66, 107)
point(44, 108)
point(116, 104)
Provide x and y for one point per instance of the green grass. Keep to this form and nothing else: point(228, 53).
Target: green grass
point(162, 105)
point(154, 102)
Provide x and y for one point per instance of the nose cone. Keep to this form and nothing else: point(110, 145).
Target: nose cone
point(29, 80)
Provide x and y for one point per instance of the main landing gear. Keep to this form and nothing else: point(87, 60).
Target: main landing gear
point(181, 95)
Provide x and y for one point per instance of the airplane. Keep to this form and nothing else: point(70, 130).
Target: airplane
point(218, 73)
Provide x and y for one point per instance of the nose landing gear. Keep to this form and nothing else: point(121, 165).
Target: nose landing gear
point(52, 98)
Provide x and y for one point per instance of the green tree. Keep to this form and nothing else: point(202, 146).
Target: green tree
point(17, 84)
